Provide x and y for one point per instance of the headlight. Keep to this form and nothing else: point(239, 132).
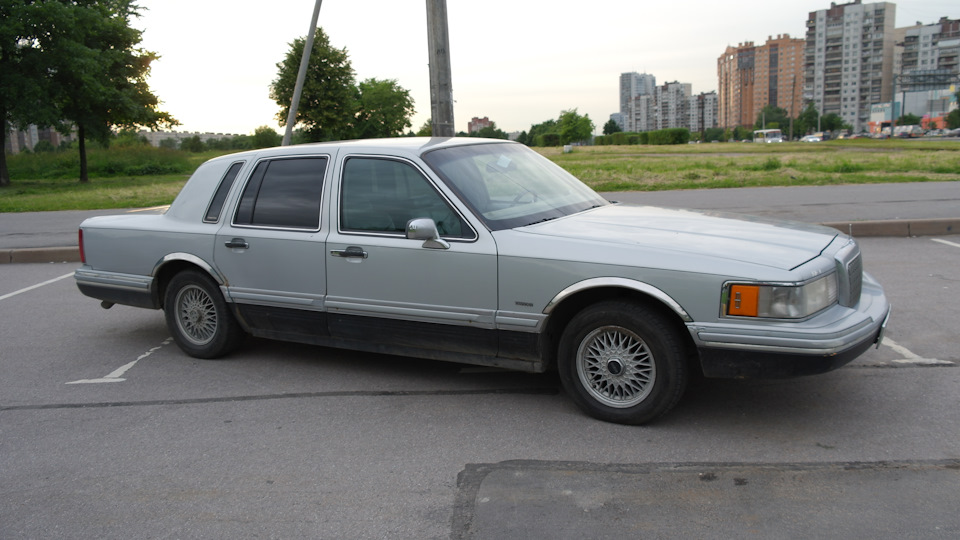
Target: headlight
point(780, 301)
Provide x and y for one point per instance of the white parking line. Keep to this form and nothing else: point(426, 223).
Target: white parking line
point(947, 242)
point(117, 374)
point(37, 286)
point(909, 357)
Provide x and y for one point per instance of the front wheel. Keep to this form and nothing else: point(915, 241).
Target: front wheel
point(622, 362)
point(198, 317)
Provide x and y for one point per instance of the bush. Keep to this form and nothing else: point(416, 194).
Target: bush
point(128, 161)
point(669, 136)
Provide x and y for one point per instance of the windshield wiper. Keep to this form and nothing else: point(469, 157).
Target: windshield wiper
point(541, 220)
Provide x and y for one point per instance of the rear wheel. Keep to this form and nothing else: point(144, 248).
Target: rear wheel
point(198, 317)
point(622, 362)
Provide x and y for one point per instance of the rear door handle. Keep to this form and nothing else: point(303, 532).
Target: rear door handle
point(352, 252)
point(237, 243)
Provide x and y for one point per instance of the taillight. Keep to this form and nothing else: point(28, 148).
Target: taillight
point(83, 257)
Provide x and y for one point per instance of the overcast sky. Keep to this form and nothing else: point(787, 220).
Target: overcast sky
point(518, 62)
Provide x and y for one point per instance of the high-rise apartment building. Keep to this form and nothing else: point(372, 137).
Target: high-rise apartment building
point(633, 84)
point(751, 77)
point(672, 100)
point(928, 49)
point(702, 112)
point(735, 77)
point(849, 59)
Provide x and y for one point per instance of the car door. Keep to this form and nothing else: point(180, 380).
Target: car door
point(404, 294)
point(271, 250)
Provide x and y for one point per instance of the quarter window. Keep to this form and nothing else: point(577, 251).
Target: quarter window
point(216, 205)
point(283, 193)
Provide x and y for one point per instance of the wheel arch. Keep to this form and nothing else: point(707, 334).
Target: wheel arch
point(561, 310)
point(172, 265)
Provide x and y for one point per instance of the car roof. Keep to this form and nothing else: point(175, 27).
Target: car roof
point(410, 146)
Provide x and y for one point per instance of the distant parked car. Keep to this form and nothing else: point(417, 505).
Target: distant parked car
point(484, 252)
point(810, 138)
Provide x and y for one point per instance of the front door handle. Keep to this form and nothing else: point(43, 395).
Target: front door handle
point(237, 243)
point(352, 252)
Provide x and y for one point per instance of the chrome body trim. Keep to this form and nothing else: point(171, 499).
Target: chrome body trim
point(638, 286)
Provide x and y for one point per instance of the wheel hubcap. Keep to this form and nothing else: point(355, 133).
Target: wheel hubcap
point(616, 367)
point(196, 315)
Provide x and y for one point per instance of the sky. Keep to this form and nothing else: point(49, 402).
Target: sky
point(517, 62)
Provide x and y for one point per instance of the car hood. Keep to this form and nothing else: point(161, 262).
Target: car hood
point(779, 244)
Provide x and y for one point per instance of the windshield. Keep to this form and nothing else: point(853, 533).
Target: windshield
point(508, 185)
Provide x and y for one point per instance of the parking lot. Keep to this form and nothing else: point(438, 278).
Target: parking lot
point(107, 430)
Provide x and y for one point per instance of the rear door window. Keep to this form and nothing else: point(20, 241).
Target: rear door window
point(283, 193)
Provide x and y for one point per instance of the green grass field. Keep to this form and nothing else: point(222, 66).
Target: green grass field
point(145, 177)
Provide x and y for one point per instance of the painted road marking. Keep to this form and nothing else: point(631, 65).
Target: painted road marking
point(37, 286)
point(947, 242)
point(909, 357)
point(117, 374)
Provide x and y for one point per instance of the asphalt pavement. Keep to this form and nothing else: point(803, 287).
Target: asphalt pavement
point(910, 209)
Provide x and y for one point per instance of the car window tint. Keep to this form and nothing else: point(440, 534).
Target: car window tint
point(284, 193)
point(383, 195)
point(216, 205)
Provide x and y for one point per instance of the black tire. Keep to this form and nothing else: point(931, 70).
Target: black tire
point(622, 362)
point(198, 317)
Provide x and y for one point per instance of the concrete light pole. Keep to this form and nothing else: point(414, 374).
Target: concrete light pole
point(301, 75)
point(441, 86)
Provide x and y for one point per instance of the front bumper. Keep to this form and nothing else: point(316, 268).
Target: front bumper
point(776, 349)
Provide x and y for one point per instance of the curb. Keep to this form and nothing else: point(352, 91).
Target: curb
point(898, 227)
point(857, 229)
point(40, 255)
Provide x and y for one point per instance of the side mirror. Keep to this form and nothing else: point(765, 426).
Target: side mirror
point(426, 229)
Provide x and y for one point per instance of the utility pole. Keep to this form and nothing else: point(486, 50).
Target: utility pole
point(441, 86)
point(301, 75)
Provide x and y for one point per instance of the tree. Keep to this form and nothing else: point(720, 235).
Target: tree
point(384, 109)
point(490, 132)
point(611, 127)
point(807, 121)
point(266, 137)
point(714, 134)
point(426, 130)
point(537, 132)
point(27, 30)
point(909, 120)
point(573, 127)
point(328, 105)
point(953, 119)
point(772, 115)
point(831, 122)
point(192, 144)
point(100, 74)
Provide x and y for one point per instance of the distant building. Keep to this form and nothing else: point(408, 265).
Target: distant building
point(848, 63)
point(751, 77)
point(27, 139)
point(702, 112)
point(156, 137)
point(476, 124)
point(632, 86)
point(672, 105)
point(925, 48)
point(672, 102)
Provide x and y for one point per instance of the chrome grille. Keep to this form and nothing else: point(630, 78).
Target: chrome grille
point(850, 274)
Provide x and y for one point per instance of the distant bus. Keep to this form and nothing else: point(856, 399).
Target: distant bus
point(767, 136)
